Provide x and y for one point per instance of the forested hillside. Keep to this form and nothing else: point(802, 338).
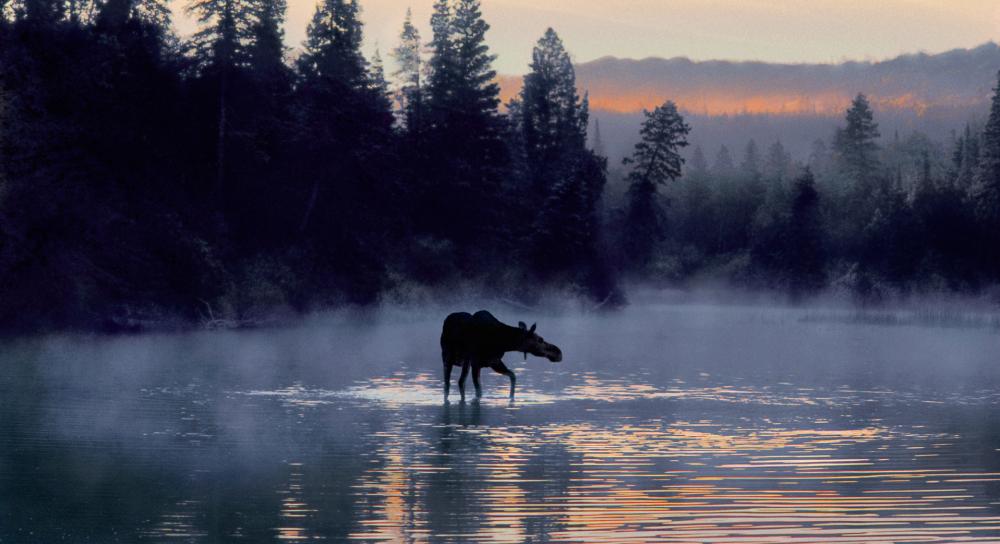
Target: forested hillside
point(147, 179)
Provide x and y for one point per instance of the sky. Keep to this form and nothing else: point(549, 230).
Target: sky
point(795, 31)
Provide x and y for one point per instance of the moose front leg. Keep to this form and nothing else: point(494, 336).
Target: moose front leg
point(475, 381)
point(461, 379)
point(501, 368)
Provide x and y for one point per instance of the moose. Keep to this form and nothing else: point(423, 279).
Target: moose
point(481, 340)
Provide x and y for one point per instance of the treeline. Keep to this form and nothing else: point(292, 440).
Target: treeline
point(144, 177)
point(872, 221)
point(214, 178)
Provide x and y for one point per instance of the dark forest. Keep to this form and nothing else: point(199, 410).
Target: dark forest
point(147, 180)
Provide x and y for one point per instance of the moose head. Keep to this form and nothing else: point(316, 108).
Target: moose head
point(536, 345)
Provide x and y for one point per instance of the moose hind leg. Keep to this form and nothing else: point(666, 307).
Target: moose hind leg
point(447, 379)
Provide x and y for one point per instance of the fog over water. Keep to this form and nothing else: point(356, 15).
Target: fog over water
point(666, 422)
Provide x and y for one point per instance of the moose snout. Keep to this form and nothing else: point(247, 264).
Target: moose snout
point(554, 354)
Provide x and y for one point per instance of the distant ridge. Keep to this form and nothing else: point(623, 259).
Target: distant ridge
point(949, 83)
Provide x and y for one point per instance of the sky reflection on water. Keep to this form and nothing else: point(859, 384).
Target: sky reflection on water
point(890, 436)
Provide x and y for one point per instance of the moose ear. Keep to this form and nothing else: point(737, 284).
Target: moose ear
point(532, 329)
point(522, 325)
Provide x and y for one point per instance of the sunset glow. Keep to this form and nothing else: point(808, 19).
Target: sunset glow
point(787, 31)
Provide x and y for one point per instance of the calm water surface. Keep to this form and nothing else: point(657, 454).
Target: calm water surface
point(663, 424)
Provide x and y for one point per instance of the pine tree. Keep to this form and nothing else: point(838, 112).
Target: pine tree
point(408, 57)
point(805, 255)
point(723, 167)
point(441, 70)
point(968, 159)
point(333, 46)
point(553, 114)
point(226, 30)
point(562, 172)
point(986, 184)
point(114, 14)
point(751, 167)
point(220, 50)
point(266, 51)
point(699, 165)
point(476, 83)
point(778, 163)
point(465, 155)
point(598, 144)
point(377, 83)
point(819, 157)
point(856, 145)
point(655, 161)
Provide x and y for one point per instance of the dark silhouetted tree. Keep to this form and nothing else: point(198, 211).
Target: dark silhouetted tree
point(986, 183)
point(805, 256)
point(655, 161)
point(564, 175)
point(465, 152)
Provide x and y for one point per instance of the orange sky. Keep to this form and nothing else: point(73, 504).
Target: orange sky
point(769, 30)
point(793, 31)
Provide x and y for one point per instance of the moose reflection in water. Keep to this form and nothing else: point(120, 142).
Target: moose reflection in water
point(481, 340)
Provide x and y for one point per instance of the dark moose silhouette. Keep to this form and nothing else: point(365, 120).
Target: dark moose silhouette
point(481, 340)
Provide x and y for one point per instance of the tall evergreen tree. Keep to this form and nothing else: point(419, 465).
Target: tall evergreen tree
point(598, 146)
point(856, 145)
point(969, 160)
point(409, 75)
point(778, 163)
point(724, 167)
point(699, 165)
point(655, 161)
point(986, 184)
point(563, 173)
point(554, 120)
point(114, 14)
point(344, 133)
point(441, 69)
point(220, 52)
point(466, 155)
point(266, 51)
point(806, 254)
point(751, 165)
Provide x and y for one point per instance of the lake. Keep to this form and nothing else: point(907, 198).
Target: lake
point(664, 423)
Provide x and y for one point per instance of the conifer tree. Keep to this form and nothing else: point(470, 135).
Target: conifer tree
point(778, 163)
point(655, 161)
point(751, 165)
point(968, 160)
point(598, 147)
point(986, 184)
point(805, 255)
point(856, 145)
point(465, 151)
point(699, 165)
point(266, 51)
point(553, 116)
point(723, 166)
point(409, 75)
point(114, 14)
point(563, 173)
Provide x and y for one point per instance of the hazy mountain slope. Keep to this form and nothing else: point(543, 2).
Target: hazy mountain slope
point(731, 102)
